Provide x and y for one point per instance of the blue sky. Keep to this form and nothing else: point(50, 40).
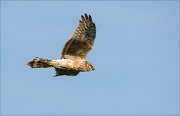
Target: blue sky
point(136, 55)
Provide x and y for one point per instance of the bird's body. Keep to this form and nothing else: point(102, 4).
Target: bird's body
point(73, 59)
point(76, 64)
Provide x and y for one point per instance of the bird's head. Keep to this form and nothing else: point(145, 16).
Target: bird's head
point(89, 66)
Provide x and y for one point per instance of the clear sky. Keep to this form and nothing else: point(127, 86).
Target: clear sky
point(136, 55)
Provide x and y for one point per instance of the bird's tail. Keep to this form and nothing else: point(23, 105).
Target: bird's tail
point(39, 63)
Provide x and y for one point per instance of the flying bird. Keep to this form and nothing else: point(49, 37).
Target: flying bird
point(73, 56)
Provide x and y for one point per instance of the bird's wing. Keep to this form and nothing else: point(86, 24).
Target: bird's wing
point(83, 39)
point(66, 71)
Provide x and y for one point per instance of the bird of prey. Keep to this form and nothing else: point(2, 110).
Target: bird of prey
point(73, 56)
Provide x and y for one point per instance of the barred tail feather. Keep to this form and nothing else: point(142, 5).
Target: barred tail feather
point(39, 63)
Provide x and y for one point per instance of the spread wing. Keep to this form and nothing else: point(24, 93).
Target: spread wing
point(83, 39)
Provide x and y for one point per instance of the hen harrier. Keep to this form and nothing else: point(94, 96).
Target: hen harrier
point(74, 53)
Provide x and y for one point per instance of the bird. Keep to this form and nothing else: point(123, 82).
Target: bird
point(74, 53)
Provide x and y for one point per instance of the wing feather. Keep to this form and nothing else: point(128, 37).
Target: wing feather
point(66, 71)
point(83, 39)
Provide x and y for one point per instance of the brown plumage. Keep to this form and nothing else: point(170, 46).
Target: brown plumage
point(83, 39)
point(74, 53)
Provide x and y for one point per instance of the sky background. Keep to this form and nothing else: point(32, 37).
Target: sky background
point(136, 55)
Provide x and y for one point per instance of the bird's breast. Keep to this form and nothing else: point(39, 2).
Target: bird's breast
point(68, 63)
